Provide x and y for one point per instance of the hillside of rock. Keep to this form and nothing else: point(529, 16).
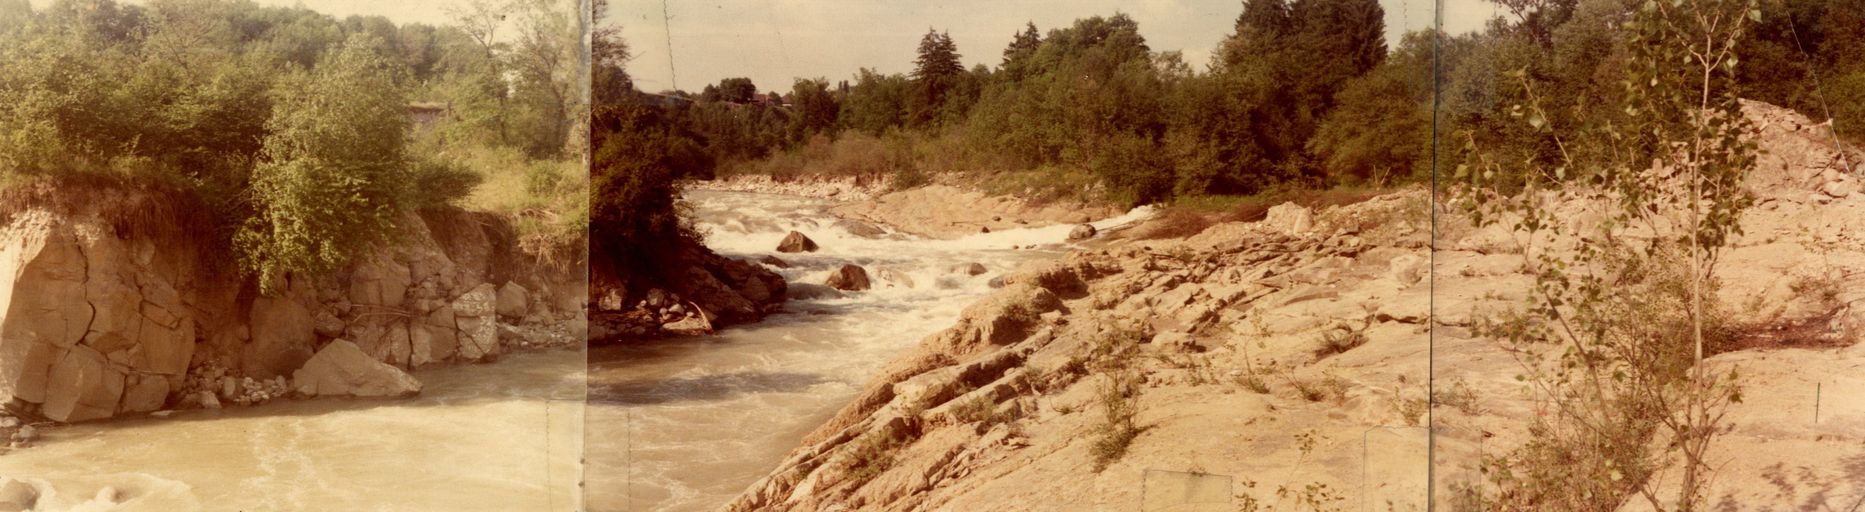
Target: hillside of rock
point(102, 316)
point(1248, 358)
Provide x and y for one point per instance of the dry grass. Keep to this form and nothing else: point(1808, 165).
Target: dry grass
point(872, 455)
point(546, 202)
point(1338, 340)
point(1119, 398)
point(133, 207)
point(1329, 388)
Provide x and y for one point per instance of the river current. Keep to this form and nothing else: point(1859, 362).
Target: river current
point(686, 424)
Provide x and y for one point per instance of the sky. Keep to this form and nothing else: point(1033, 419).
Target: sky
point(775, 42)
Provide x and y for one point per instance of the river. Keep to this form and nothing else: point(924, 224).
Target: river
point(686, 424)
point(499, 436)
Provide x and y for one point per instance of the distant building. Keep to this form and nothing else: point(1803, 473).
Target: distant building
point(426, 115)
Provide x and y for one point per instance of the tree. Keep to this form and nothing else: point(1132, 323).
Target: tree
point(815, 108)
point(1381, 129)
point(330, 182)
point(1262, 24)
point(1018, 54)
point(608, 54)
point(875, 103)
point(737, 90)
point(481, 20)
point(1630, 303)
point(1538, 18)
point(936, 71)
point(548, 71)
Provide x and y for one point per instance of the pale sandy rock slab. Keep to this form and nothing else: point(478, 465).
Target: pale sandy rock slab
point(1290, 218)
point(343, 369)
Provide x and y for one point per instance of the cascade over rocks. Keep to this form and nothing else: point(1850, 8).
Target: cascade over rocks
point(101, 317)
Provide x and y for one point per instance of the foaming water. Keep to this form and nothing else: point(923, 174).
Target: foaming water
point(500, 436)
point(687, 424)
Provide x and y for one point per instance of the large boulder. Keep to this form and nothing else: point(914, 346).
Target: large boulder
point(82, 386)
point(479, 337)
point(1290, 218)
point(849, 278)
point(796, 242)
point(1081, 232)
point(17, 495)
point(283, 331)
point(476, 325)
point(513, 301)
point(343, 369)
point(482, 300)
point(440, 335)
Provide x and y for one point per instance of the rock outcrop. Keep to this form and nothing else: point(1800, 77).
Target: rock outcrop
point(796, 242)
point(724, 290)
point(343, 369)
point(1219, 333)
point(101, 315)
point(848, 277)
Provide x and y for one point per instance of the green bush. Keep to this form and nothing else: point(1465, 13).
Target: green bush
point(334, 168)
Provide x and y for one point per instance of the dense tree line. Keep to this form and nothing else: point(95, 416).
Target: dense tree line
point(1093, 98)
point(294, 125)
point(1302, 92)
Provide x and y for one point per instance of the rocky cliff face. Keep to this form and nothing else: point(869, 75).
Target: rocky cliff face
point(98, 319)
point(1253, 355)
